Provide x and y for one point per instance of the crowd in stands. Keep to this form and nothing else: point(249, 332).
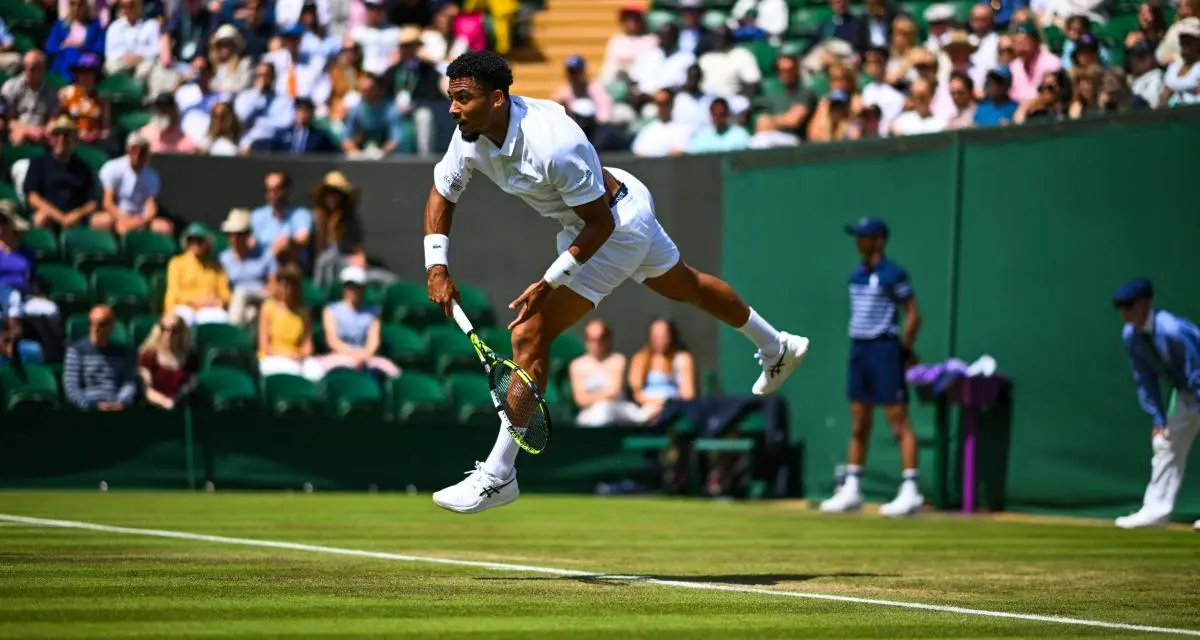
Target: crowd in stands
point(687, 78)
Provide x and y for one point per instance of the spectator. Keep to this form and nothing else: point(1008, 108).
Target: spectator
point(196, 101)
point(164, 133)
point(957, 56)
point(197, 287)
point(416, 12)
point(1115, 94)
point(131, 41)
point(185, 38)
point(337, 232)
point(841, 25)
point(624, 49)
point(256, 29)
point(10, 58)
point(903, 44)
point(1031, 63)
point(441, 43)
point(223, 133)
point(664, 136)
point(1053, 96)
point(940, 18)
point(694, 37)
point(962, 93)
point(284, 230)
point(919, 119)
point(30, 102)
point(1085, 92)
point(1087, 53)
point(603, 137)
point(249, 267)
point(166, 363)
point(352, 329)
point(1152, 26)
point(877, 91)
point(1181, 80)
point(297, 74)
point(1168, 50)
point(420, 93)
point(285, 343)
point(831, 121)
point(692, 102)
point(232, 71)
point(380, 41)
point(289, 12)
point(877, 24)
point(578, 85)
point(302, 137)
point(663, 67)
point(97, 374)
point(869, 124)
point(72, 37)
point(315, 41)
point(662, 370)
point(996, 109)
point(721, 135)
point(58, 185)
point(730, 72)
point(343, 80)
point(1006, 52)
point(983, 32)
point(1147, 77)
point(789, 103)
point(131, 188)
point(84, 105)
point(19, 294)
point(598, 380)
point(261, 109)
point(374, 127)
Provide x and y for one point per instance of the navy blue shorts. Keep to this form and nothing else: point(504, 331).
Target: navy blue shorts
point(877, 372)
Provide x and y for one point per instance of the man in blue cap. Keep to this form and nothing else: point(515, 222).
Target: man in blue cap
point(879, 354)
point(1161, 345)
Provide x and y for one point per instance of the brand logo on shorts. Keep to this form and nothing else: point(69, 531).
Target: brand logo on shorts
point(587, 175)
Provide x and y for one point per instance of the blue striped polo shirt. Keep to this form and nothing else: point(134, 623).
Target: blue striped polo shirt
point(875, 294)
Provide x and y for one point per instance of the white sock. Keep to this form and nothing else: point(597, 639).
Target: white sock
point(503, 458)
point(910, 479)
point(762, 334)
point(851, 481)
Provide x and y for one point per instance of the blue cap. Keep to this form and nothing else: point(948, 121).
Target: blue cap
point(837, 95)
point(575, 63)
point(292, 31)
point(1132, 291)
point(1001, 73)
point(868, 227)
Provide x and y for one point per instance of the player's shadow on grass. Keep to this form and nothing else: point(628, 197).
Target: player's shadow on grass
point(748, 579)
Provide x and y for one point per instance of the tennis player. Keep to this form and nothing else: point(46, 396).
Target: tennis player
point(534, 150)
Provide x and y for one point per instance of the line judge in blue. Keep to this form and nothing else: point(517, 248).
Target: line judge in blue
point(879, 353)
point(1161, 346)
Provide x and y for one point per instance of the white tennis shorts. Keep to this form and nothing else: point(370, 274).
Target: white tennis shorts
point(638, 248)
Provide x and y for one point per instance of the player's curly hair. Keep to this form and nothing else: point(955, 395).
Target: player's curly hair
point(488, 68)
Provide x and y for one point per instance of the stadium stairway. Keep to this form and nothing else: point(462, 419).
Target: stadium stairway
point(565, 28)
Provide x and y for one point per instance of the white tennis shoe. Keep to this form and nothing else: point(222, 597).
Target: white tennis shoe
point(775, 370)
point(1141, 519)
point(908, 502)
point(480, 491)
point(844, 500)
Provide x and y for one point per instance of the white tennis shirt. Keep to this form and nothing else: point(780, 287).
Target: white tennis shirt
point(546, 160)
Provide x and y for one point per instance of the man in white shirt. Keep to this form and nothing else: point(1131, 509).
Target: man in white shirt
point(131, 43)
point(378, 39)
point(984, 36)
point(879, 93)
point(131, 188)
point(534, 150)
point(665, 136)
point(730, 72)
point(297, 74)
point(663, 67)
point(691, 102)
point(1147, 77)
point(920, 118)
point(261, 109)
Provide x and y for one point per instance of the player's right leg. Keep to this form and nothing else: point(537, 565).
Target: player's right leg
point(493, 482)
point(848, 497)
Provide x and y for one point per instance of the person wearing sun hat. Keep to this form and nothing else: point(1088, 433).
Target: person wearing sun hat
point(59, 187)
point(248, 266)
point(338, 233)
point(197, 287)
point(232, 71)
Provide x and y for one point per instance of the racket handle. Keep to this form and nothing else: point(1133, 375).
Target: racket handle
point(461, 318)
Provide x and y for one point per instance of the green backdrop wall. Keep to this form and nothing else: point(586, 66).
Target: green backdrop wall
point(1014, 239)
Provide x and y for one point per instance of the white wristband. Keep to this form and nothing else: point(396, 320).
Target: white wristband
point(562, 270)
point(437, 250)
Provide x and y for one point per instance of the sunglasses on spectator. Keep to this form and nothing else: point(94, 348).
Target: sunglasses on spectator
point(1048, 87)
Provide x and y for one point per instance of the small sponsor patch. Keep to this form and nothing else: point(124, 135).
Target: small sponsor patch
point(454, 181)
point(587, 176)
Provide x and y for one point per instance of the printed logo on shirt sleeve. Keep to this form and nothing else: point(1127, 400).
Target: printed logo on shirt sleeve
point(454, 181)
point(587, 177)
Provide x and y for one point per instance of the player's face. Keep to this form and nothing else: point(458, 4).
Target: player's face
point(1135, 314)
point(472, 107)
point(868, 245)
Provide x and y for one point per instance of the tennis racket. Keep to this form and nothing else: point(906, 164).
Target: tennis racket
point(521, 408)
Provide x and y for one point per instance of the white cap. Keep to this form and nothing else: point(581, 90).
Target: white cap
point(940, 12)
point(583, 107)
point(1190, 27)
point(353, 274)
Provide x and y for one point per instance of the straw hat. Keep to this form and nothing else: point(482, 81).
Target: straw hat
point(959, 38)
point(337, 181)
point(238, 221)
point(230, 33)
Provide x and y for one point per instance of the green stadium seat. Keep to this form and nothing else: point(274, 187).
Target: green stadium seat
point(91, 156)
point(286, 394)
point(140, 327)
point(122, 88)
point(226, 389)
point(477, 305)
point(472, 399)
point(1112, 33)
point(23, 42)
point(714, 20)
point(89, 248)
point(313, 297)
point(12, 153)
point(23, 16)
point(33, 391)
point(351, 393)
point(77, 329)
point(158, 290)
point(498, 338)
point(565, 348)
point(452, 351)
point(42, 243)
point(408, 303)
point(415, 397)
point(9, 192)
point(123, 289)
point(405, 347)
point(804, 21)
point(66, 286)
point(135, 120)
point(1055, 38)
point(148, 251)
point(320, 344)
point(657, 18)
point(224, 344)
point(764, 53)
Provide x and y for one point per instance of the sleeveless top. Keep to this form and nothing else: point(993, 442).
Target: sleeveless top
point(285, 328)
point(663, 384)
point(353, 325)
point(595, 376)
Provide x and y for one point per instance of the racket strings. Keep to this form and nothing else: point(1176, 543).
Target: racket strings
point(522, 406)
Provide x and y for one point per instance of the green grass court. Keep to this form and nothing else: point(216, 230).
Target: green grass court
point(60, 582)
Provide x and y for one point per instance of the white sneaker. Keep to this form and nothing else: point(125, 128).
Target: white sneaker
point(777, 369)
point(1140, 519)
point(1196, 526)
point(908, 502)
point(480, 491)
point(844, 500)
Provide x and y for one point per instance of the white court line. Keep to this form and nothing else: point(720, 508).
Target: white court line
point(501, 566)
